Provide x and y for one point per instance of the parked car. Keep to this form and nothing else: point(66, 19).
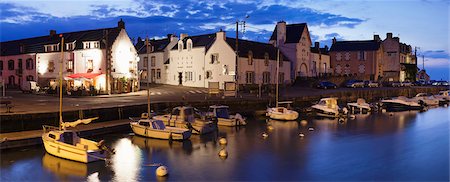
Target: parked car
point(326, 85)
point(395, 84)
point(420, 83)
point(440, 83)
point(369, 83)
point(30, 87)
point(406, 84)
point(354, 83)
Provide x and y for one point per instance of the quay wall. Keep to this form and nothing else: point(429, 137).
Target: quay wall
point(26, 122)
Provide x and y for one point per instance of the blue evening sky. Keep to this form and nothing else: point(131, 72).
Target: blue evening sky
point(420, 23)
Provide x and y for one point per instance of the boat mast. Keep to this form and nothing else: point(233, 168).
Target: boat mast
point(148, 86)
point(60, 81)
point(276, 79)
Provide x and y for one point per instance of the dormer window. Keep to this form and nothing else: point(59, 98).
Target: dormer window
point(96, 44)
point(52, 47)
point(86, 45)
point(180, 45)
point(214, 58)
point(70, 46)
point(56, 47)
point(189, 44)
point(250, 58)
point(22, 49)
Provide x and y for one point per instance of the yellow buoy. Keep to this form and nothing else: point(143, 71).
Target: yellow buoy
point(303, 122)
point(270, 127)
point(223, 141)
point(162, 171)
point(223, 153)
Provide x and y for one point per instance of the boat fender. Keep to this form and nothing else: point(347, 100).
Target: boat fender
point(310, 129)
point(223, 153)
point(303, 122)
point(301, 135)
point(162, 171)
point(265, 135)
point(223, 141)
point(270, 128)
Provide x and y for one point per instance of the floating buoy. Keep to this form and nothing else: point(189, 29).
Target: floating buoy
point(391, 114)
point(301, 135)
point(303, 122)
point(445, 105)
point(223, 153)
point(310, 129)
point(223, 141)
point(352, 116)
point(265, 135)
point(345, 110)
point(383, 110)
point(270, 127)
point(162, 171)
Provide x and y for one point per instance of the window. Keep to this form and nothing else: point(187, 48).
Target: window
point(22, 49)
point(347, 56)
point(20, 64)
point(361, 55)
point(281, 60)
point(281, 78)
point(11, 64)
point(152, 61)
point(70, 46)
point(266, 77)
point(51, 66)
point(29, 64)
point(158, 74)
point(214, 58)
point(86, 45)
point(338, 56)
point(96, 44)
point(250, 58)
point(208, 75)
point(180, 45)
point(55, 47)
point(30, 78)
point(1, 65)
point(145, 62)
point(249, 77)
point(266, 59)
point(90, 65)
point(225, 70)
point(70, 65)
point(47, 48)
point(188, 76)
point(189, 44)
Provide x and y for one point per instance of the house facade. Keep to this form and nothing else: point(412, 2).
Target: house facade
point(294, 41)
point(399, 62)
point(320, 58)
point(101, 59)
point(15, 70)
point(358, 59)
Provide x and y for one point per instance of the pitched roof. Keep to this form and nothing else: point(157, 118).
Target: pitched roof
point(319, 50)
point(293, 32)
point(159, 45)
point(36, 44)
point(258, 49)
point(205, 40)
point(361, 45)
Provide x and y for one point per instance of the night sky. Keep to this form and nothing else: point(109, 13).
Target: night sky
point(423, 24)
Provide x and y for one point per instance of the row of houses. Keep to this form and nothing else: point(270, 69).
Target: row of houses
point(108, 61)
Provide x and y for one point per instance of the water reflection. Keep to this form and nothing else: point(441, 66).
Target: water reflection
point(127, 161)
point(151, 144)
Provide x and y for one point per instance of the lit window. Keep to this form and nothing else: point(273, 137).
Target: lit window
point(70, 65)
point(96, 44)
point(51, 66)
point(90, 65)
point(145, 62)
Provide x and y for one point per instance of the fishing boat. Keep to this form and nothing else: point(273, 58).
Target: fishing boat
point(327, 107)
point(279, 112)
point(64, 143)
point(223, 117)
point(360, 106)
point(427, 99)
point(183, 117)
point(401, 103)
point(156, 129)
point(443, 96)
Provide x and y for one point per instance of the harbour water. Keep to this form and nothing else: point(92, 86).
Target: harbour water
point(408, 145)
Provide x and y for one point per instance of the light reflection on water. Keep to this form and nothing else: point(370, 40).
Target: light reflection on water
point(380, 146)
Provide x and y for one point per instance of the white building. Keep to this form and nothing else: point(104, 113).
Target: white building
point(195, 61)
point(86, 62)
point(320, 58)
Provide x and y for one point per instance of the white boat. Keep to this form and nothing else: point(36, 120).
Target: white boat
point(360, 105)
point(278, 112)
point(282, 113)
point(224, 118)
point(183, 117)
point(63, 143)
point(327, 107)
point(443, 96)
point(156, 129)
point(427, 99)
point(401, 103)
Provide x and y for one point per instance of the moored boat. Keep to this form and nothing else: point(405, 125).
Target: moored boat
point(183, 117)
point(156, 129)
point(282, 113)
point(443, 96)
point(327, 107)
point(360, 106)
point(401, 103)
point(224, 118)
point(426, 99)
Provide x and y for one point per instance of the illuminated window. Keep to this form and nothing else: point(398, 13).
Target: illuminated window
point(152, 61)
point(250, 58)
point(51, 66)
point(96, 44)
point(90, 65)
point(29, 64)
point(145, 62)
point(70, 65)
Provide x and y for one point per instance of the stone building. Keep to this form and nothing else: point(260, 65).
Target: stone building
point(320, 58)
point(399, 61)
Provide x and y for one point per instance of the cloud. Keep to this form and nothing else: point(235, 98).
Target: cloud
point(436, 54)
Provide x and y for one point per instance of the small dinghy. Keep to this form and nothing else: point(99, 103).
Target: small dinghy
point(360, 106)
point(327, 107)
point(224, 118)
point(156, 129)
point(282, 113)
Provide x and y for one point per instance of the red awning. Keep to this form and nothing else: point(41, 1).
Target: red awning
point(83, 75)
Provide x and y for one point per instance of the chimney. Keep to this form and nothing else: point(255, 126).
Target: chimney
point(376, 38)
point(220, 35)
point(326, 48)
point(169, 36)
point(389, 36)
point(121, 24)
point(334, 40)
point(52, 33)
point(183, 35)
point(281, 32)
point(172, 37)
point(316, 45)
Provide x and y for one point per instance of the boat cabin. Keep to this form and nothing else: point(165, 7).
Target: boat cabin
point(154, 124)
point(329, 102)
point(66, 136)
point(219, 111)
point(183, 113)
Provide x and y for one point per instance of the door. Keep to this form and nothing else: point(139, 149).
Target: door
point(153, 76)
point(11, 81)
point(180, 78)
